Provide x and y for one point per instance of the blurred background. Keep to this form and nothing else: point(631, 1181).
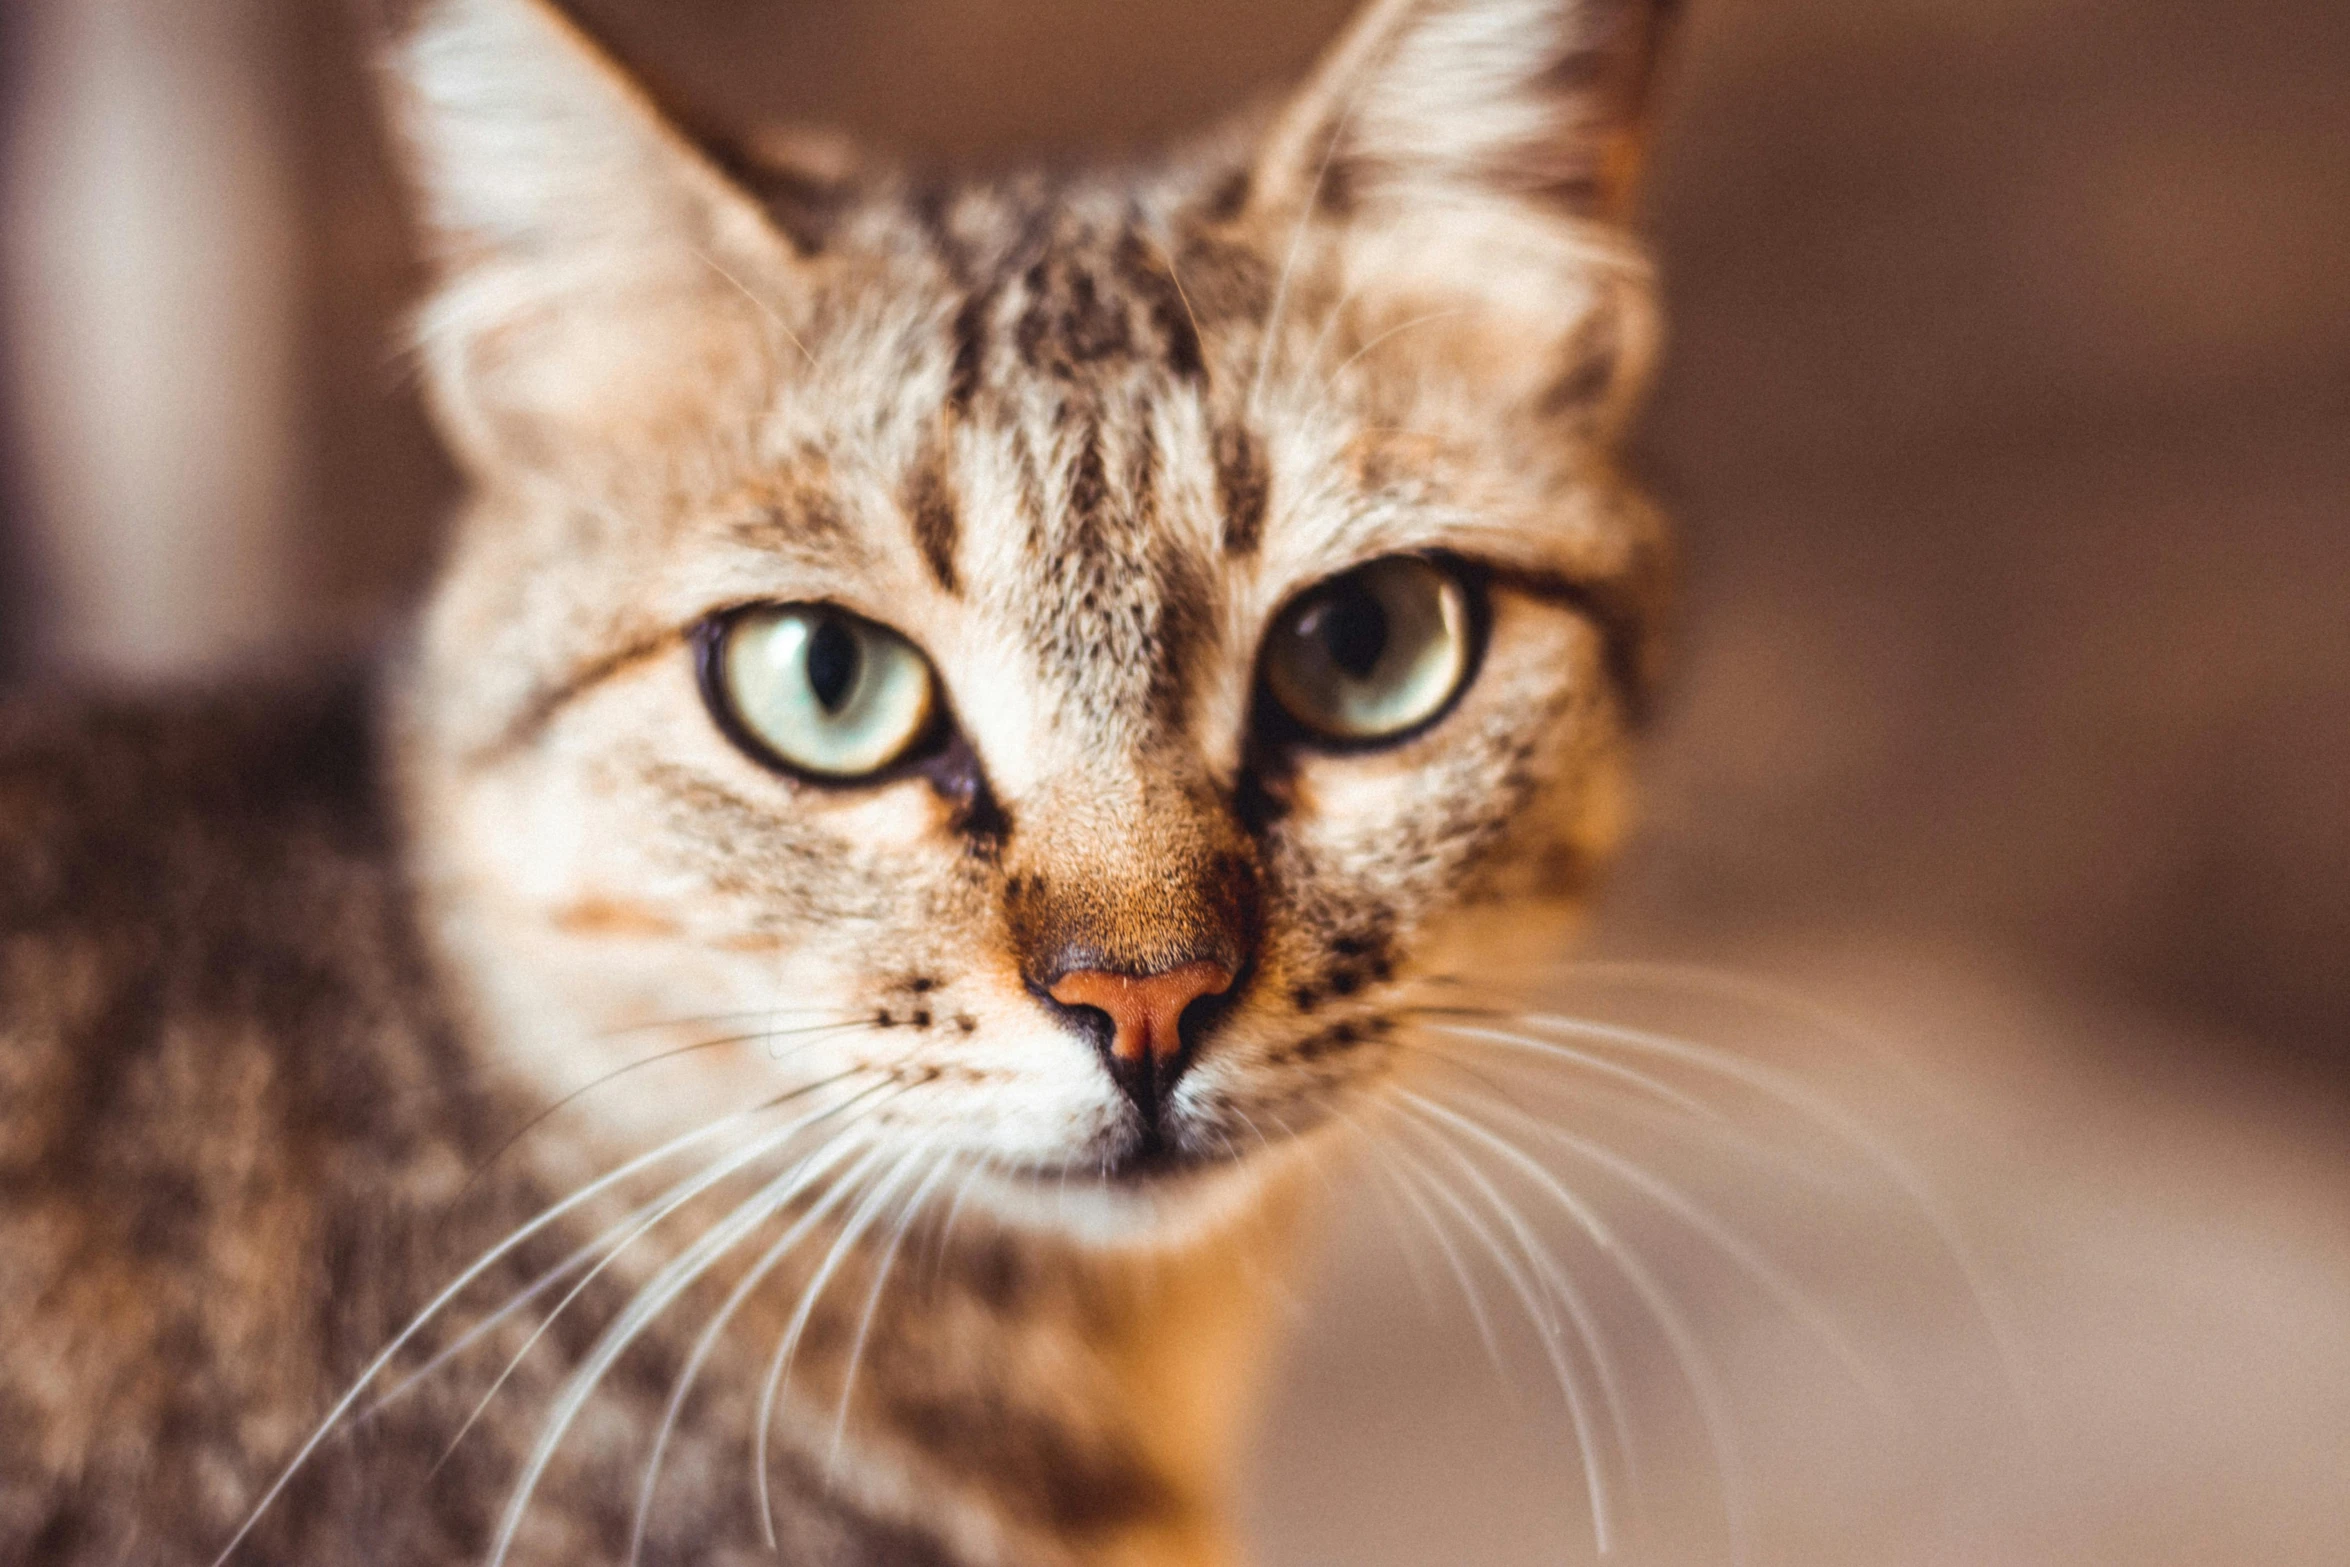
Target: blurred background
point(2008, 421)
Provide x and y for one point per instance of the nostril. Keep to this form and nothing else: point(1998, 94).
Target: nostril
point(1145, 1010)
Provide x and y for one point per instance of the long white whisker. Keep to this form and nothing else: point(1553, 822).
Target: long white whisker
point(451, 1291)
point(665, 1286)
point(1547, 1329)
point(674, 1199)
point(980, 1168)
point(1718, 1126)
point(1704, 1384)
point(1791, 1297)
point(852, 1229)
point(742, 1292)
point(1463, 1276)
point(537, 1287)
point(1588, 1061)
point(1827, 1114)
point(1413, 1262)
point(848, 1381)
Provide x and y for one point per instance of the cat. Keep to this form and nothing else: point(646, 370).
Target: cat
point(963, 728)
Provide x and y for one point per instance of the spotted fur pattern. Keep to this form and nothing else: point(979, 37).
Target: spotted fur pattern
point(1078, 436)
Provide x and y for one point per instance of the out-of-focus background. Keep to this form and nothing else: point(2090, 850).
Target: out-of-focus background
point(2008, 420)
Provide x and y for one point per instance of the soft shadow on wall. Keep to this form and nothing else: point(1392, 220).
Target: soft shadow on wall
point(2006, 417)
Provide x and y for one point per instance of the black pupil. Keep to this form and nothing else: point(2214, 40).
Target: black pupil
point(1353, 627)
point(833, 660)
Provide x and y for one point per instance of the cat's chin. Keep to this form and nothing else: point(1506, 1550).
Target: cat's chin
point(1149, 1195)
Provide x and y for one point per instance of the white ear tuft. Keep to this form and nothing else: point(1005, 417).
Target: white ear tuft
point(595, 263)
point(1436, 103)
point(1461, 165)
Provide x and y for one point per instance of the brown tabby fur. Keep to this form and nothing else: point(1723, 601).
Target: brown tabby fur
point(284, 973)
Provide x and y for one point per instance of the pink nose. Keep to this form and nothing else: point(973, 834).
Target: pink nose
point(1145, 1011)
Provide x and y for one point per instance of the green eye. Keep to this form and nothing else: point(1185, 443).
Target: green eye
point(817, 689)
point(1374, 653)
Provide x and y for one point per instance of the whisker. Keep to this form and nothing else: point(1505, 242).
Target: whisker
point(1591, 1062)
point(1720, 1128)
point(676, 1198)
point(487, 1325)
point(1297, 243)
point(1688, 1351)
point(1826, 1114)
point(650, 1302)
point(1414, 1263)
point(1381, 339)
point(1405, 1165)
point(764, 308)
point(940, 1165)
point(1174, 277)
point(777, 1368)
point(980, 1168)
point(742, 1292)
point(449, 1293)
point(531, 1125)
point(1695, 979)
point(706, 1019)
point(1791, 1297)
point(1547, 1329)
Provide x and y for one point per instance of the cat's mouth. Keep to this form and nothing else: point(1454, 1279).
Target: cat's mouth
point(1146, 1160)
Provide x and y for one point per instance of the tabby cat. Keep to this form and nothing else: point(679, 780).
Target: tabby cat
point(963, 724)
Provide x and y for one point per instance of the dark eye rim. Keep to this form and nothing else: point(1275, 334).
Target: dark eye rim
point(1276, 726)
point(930, 754)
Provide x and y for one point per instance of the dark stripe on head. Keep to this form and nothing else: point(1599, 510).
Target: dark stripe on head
point(1146, 270)
point(970, 365)
point(1068, 324)
point(1187, 624)
point(1244, 488)
point(1089, 485)
point(929, 501)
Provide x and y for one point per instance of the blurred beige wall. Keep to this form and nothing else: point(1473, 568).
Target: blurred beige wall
point(152, 233)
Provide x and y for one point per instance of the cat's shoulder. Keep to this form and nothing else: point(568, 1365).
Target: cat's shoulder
point(193, 879)
point(129, 771)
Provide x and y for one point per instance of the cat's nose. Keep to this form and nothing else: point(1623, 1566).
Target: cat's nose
point(1146, 1050)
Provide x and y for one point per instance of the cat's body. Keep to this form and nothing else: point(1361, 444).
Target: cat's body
point(245, 1144)
point(1247, 534)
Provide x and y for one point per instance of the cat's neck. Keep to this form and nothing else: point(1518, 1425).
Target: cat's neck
point(1028, 1397)
point(1021, 1397)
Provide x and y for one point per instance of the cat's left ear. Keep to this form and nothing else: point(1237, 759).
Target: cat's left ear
point(1474, 160)
point(602, 280)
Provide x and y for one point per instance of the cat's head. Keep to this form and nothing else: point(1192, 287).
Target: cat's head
point(1049, 672)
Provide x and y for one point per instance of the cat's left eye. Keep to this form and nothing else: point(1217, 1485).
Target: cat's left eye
point(1376, 653)
point(817, 690)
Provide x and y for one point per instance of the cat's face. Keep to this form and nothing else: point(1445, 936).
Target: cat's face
point(1055, 672)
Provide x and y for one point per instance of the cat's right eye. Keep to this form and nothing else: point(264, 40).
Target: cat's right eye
point(813, 689)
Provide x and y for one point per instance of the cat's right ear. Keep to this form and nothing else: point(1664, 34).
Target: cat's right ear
point(602, 282)
point(1468, 166)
